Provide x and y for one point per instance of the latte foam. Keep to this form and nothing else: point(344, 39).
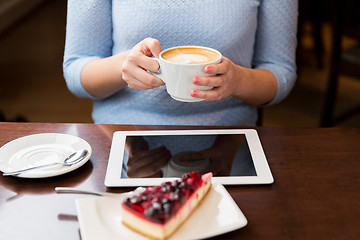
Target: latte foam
point(188, 58)
point(189, 55)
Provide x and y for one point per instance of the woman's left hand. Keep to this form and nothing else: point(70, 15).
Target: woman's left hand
point(253, 86)
point(225, 81)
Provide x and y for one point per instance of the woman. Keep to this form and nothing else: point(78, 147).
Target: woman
point(110, 47)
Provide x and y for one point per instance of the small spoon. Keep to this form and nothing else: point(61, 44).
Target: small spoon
point(73, 158)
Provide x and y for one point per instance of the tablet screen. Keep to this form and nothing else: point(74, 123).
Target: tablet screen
point(175, 155)
point(145, 158)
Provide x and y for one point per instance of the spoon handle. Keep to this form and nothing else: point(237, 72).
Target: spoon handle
point(28, 169)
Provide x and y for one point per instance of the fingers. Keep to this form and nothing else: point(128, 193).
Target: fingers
point(217, 93)
point(134, 73)
point(222, 81)
point(148, 163)
point(208, 95)
point(192, 156)
point(212, 81)
point(148, 157)
point(137, 64)
point(136, 58)
point(217, 71)
point(139, 79)
point(219, 68)
point(150, 47)
point(154, 46)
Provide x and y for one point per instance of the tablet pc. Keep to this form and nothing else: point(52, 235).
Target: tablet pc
point(147, 158)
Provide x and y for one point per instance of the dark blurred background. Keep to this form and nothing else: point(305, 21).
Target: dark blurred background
point(327, 92)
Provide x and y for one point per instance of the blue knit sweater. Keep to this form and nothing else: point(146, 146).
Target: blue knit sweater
point(252, 33)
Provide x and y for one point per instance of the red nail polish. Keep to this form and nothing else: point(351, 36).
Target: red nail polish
point(208, 69)
point(158, 54)
point(195, 80)
point(193, 93)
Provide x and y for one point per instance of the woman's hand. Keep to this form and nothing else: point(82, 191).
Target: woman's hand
point(224, 82)
point(221, 161)
point(103, 77)
point(138, 61)
point(148, 162)
point(145, 162)
point(254, 86)
point(221, 154)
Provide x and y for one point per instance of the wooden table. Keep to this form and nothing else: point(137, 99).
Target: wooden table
point(315, 194)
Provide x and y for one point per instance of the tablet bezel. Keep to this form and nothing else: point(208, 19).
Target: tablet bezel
point(113, 172)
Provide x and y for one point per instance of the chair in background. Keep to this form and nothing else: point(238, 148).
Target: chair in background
point(311, 12)
point(345, 21)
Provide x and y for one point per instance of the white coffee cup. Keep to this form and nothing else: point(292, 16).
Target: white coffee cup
point(178, 66)
point(176, 168)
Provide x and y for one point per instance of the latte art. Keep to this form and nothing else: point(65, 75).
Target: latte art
point(179, 65)
point(189, 59)
point(188, 55)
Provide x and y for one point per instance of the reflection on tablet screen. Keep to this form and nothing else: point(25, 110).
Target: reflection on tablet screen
point(174, 155)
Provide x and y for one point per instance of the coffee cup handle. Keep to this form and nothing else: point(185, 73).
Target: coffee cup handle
point(158, 74)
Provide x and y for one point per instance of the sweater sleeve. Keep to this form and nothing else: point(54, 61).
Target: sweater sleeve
point(276, 41)
point(88, 37)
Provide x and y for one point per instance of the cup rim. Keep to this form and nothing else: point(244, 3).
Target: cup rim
point(191, 46)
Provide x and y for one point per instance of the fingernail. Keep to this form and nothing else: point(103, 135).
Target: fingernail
point(195, 80)
point(193, 93)
point(208, 69)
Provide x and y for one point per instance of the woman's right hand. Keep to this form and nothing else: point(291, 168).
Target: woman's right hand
point(145, 162)
point(138, 61)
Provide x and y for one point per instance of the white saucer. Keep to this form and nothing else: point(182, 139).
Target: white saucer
point(39, 149)
point(100, 218)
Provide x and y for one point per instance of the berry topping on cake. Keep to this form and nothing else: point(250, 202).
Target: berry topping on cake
point(159, 210)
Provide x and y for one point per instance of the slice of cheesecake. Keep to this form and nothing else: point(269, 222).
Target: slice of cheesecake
point(159, 211)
